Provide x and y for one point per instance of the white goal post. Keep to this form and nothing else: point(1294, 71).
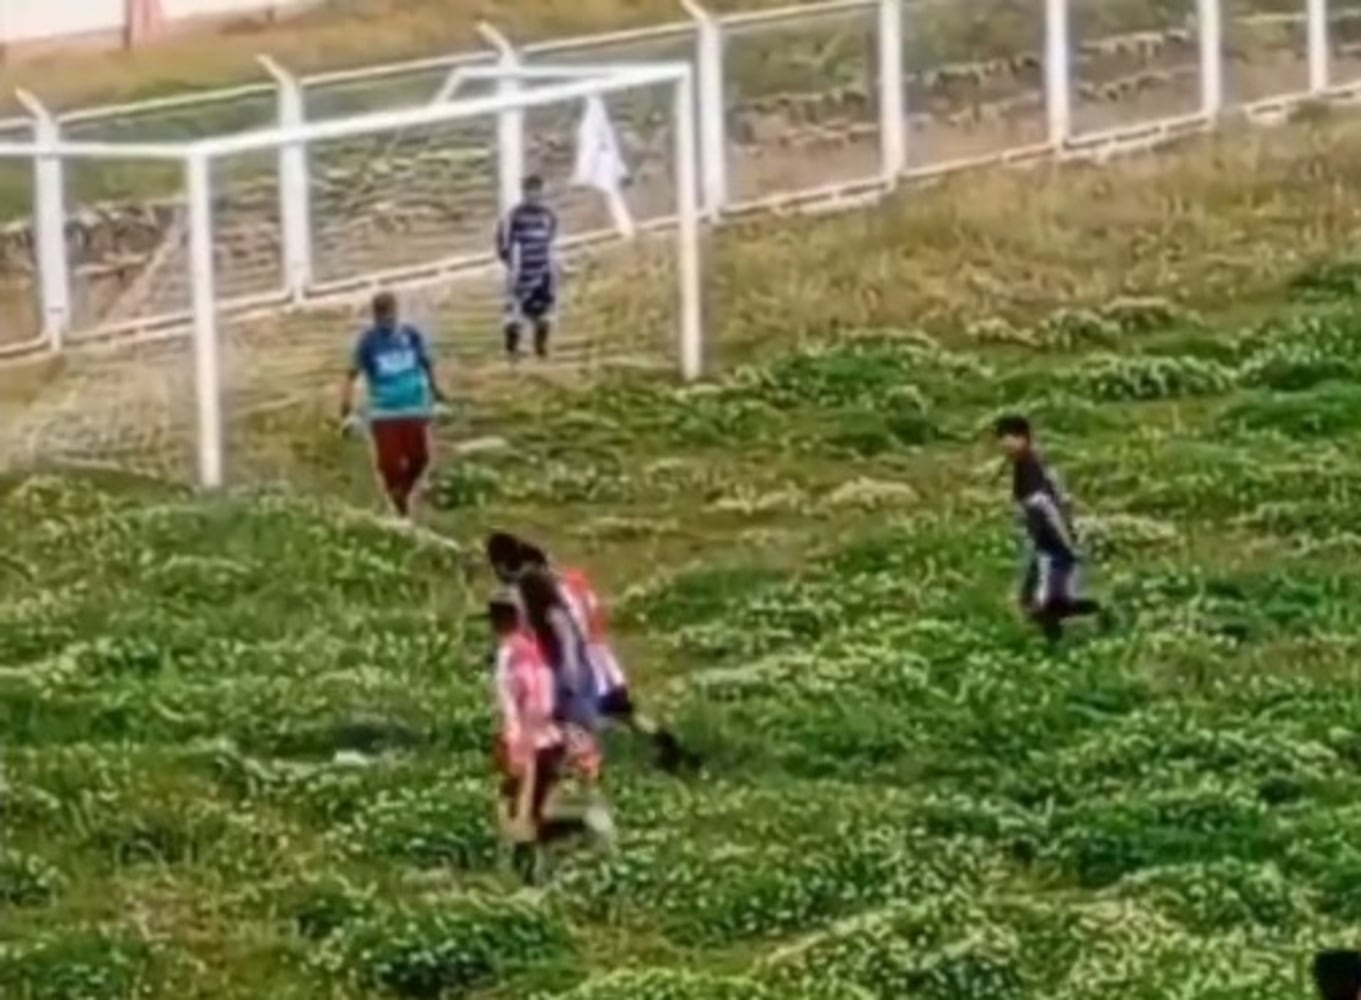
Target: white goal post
point(516, 91)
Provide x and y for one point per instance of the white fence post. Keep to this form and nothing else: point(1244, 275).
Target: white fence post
point(207, 367)
point(510, 124)
point(892, 112)
point(1316, 15)
point(711, 108)
point(687, 231)
point(1209, 15)
point(295, 188)
point(1058, 72)
point(49, 224)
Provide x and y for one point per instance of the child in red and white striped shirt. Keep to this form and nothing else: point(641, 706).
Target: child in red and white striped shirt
point(614, 700)
point(532, 746)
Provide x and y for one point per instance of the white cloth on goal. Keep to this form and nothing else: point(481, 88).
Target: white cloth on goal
point(600, 164)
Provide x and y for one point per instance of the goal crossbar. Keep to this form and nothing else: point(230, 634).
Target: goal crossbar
point(596, 81)
point(599, 81)
point(578, 83)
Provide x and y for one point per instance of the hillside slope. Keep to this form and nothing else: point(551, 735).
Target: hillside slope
point(811, 561)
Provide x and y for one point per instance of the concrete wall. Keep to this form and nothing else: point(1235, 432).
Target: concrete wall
point(55, 21)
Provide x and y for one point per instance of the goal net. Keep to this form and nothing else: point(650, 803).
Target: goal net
point(213, 350)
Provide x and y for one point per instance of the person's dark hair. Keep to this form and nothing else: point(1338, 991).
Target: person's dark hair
point(503, 615)
point(540, 595)
point(1337, 974)
point(384, 307)
point(532, 556)
point(533, 184)
point(503, 549)
point(1011, 425)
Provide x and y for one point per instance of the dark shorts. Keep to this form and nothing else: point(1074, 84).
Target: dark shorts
point(617, 705)
point(1050, 583)
point(548, 769)
point(534, 302)
point(401, 450)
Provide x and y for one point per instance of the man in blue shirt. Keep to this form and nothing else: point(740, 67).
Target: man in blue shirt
point(399, 376)
point(525, 244)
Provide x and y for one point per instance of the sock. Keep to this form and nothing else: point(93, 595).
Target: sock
point(1050, 625)
point(512, 334)
point(541, 331)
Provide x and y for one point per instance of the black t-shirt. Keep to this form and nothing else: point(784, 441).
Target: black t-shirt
point(1042, 508)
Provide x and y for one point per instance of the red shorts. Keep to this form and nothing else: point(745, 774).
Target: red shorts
point(401, 450)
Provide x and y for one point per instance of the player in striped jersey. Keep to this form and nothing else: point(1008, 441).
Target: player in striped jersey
point(549, 621)
point(614, 701)
point(525, 241)
point(531, 747)
point(1051, 586)
point(511, 559)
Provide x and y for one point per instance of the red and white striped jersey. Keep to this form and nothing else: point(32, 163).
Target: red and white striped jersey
point(585, 604)
point(588, 612)
point(523, 684)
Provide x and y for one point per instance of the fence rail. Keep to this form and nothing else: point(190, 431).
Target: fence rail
point(824, 101)
point(23, 22)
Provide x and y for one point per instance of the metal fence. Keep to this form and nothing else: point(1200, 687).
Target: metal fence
point(841, 99)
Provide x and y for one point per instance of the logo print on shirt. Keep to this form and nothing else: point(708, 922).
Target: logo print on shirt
point(396, 362)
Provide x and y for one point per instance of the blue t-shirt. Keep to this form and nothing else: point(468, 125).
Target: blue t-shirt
point(396, 365)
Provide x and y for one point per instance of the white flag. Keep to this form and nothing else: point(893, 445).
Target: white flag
point(600, 164)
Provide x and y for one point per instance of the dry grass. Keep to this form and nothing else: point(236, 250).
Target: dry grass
point(1220, 220)
point(341, 33)
point(1228, 213)
point(346, 33)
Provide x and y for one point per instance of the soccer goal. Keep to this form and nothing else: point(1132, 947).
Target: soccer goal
point(225, 340)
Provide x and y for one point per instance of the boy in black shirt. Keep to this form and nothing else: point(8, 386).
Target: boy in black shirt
point(1050, 591)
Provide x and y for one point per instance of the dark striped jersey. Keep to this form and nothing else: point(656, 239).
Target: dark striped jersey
point(1042, 508)
point(524, 242)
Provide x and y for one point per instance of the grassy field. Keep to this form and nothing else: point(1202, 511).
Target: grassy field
point(810, 559)
point(801, 102)
point(337, 34)
point(345, 33)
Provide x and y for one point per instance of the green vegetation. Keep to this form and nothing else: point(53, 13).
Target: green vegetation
point(246, 737)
